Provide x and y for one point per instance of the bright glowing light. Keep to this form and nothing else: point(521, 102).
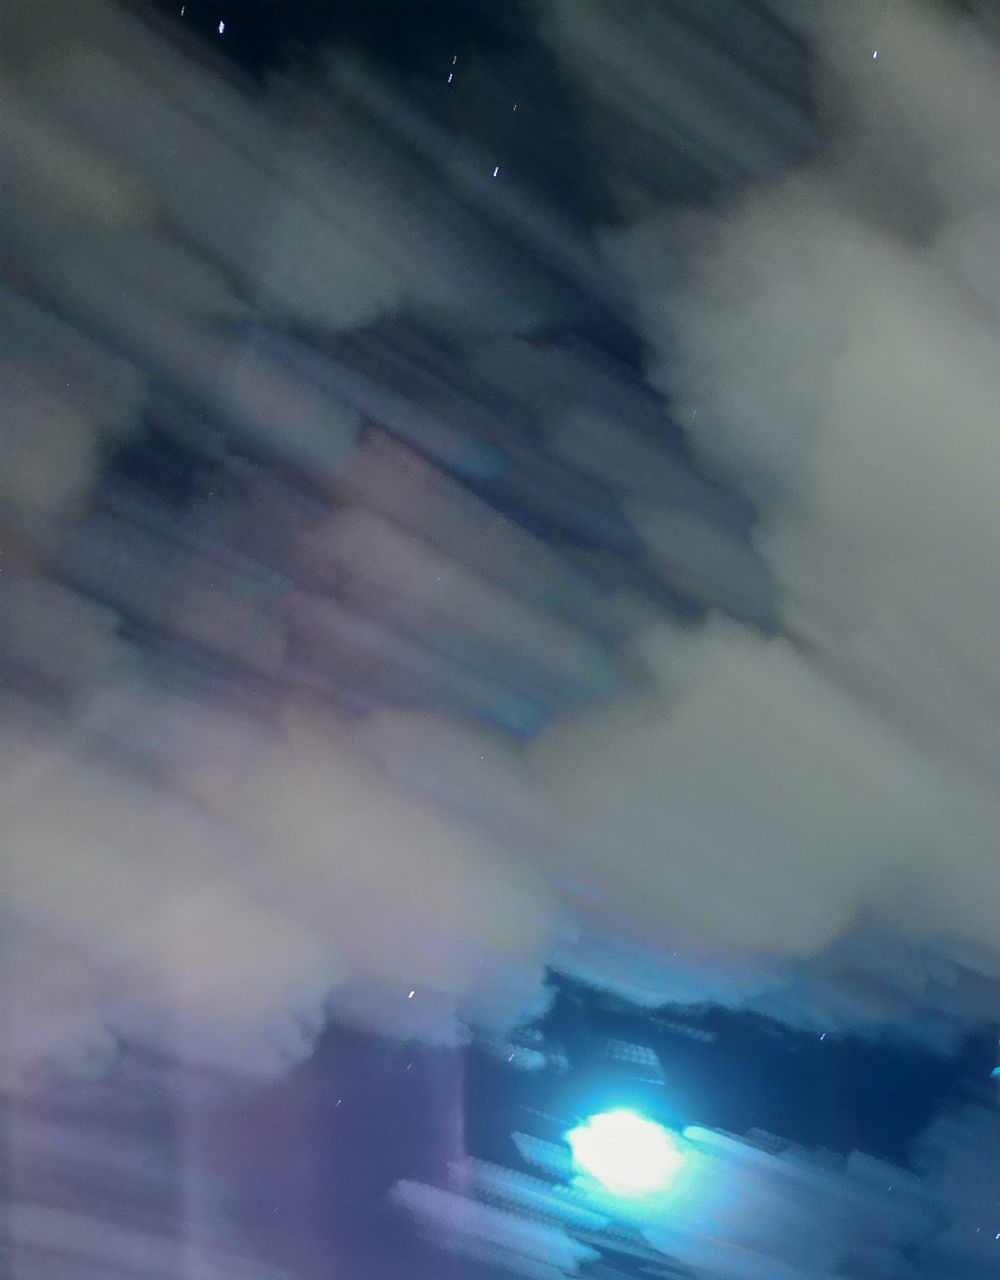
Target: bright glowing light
point(626, 1153)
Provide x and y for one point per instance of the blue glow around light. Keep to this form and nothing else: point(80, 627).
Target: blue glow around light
point(626, 1153)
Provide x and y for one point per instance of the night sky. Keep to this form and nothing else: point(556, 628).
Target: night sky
point(839, 1092)
point(425, 732)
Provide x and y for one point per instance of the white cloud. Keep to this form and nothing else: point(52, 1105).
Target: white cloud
point(836, 362)
point(749, 806)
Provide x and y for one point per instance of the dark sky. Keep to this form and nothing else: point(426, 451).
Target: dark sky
point(492, 51)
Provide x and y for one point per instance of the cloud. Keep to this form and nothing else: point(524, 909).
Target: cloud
point(130, 885)
point(221, 914)
point(841, 372)
point(833, 359)
point(58, 638)
point(462, 652)
point(454, 648)
point(65, 400)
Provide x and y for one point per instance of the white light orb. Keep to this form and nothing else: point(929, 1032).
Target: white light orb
point(626, 1153)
